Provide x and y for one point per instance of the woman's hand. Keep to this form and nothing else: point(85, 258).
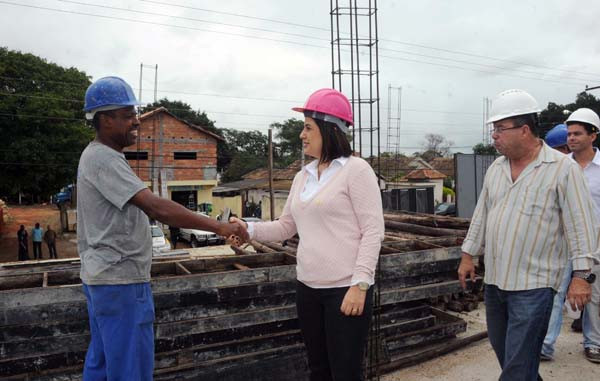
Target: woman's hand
point(235, 220)
point(354, 302)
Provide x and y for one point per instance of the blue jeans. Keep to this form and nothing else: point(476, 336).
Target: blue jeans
point(591, 317)
point(122, 336)
point(517, 322)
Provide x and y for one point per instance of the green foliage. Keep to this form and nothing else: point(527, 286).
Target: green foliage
point(448, 182)
point(447, 191)
point(289, 145)
point(42, 134)
point(248, 150)
point(484, 149)
point(554, 114)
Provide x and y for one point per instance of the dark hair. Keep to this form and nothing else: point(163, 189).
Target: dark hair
point(37, 224)
point(528, 119)
point(96, 120)
point(335, 142)
point(589, 128)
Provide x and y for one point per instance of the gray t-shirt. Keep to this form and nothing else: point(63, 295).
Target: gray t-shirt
point(113, 236)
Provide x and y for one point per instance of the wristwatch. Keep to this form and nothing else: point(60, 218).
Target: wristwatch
point(363, 286)
point(586, 275)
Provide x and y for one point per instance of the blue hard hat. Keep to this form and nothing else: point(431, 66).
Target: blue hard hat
point(557, 136)
point(109, 91)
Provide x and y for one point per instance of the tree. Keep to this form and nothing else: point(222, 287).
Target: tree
point(556, 113)
point(42, 127)
point(289, 146)
point(484, 149)
point(248, 151)
point(435, 145)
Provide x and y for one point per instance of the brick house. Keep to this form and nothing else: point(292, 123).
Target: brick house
point(176, 159)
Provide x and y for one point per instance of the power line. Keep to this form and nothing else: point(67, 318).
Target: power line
point(159, 24)
point(483, 65)
point(238, 15)
point(193, 19)
point(486, 57)
point(457, 52)
point(476, 70)
point(267, 39)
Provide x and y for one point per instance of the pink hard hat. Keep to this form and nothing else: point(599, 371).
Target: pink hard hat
point(329, 105)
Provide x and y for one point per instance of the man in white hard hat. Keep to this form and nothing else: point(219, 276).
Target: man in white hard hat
point(533, 203)
point(583, 126)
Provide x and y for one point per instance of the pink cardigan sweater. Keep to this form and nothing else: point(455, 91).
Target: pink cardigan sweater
point(341, 227)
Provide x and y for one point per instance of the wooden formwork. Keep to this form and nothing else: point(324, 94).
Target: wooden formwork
point(221, 318)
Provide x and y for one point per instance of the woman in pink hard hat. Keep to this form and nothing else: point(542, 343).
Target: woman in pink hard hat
point(334, 205)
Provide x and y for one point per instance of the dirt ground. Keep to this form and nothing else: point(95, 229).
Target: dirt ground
point(477, 362)
point(66, 245)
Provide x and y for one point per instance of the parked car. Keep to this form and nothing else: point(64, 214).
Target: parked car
point(445, 209)
point(64, 196)
point(160, 243)
point(198, 238)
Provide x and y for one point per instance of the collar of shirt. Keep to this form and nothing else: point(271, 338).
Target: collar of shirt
point(311, 168)
point(595, 160)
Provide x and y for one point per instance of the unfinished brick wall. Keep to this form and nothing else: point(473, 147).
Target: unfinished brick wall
point(176, 136)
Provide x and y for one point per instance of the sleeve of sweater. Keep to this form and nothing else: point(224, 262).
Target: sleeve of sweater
point(285, 226)
point(365, 196)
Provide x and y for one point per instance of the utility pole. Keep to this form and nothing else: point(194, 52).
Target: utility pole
point(272, 200)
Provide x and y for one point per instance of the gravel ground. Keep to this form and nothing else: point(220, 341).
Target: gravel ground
point(477, 362)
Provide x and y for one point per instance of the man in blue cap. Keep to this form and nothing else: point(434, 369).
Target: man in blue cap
point(557, 138)
point(114, 240)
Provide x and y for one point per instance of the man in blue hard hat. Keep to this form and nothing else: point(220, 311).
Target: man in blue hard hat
point(114, 240)
point(557, 138)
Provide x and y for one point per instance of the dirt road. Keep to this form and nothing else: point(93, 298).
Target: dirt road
point(66, 246)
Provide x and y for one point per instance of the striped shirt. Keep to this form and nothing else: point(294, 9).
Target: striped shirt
point(532, 226)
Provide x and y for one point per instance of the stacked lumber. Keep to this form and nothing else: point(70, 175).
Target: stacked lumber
point(224, 318)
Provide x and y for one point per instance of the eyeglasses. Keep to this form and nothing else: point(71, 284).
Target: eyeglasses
point(499, 130)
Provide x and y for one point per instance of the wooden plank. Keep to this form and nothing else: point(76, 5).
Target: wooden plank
point(258, 246)
point(419, 355)
point(240, 266)
point(181, 270)
point(418, 229)
point(430, 220)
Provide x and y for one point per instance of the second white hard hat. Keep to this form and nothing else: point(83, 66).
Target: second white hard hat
point(584, 115)
point(512, 102)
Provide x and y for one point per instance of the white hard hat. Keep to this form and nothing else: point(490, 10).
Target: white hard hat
point(512, 103)
point(584, 115)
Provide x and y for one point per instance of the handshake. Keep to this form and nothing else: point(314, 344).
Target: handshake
point(236, 231)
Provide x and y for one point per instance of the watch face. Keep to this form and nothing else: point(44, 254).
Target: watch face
point(591, 278)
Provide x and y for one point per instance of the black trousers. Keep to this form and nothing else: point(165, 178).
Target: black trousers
point(52, 250)
point(23, 253)
point(335, 343)
point(37, 250)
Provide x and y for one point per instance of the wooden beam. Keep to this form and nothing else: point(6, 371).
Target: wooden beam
point(426, 230)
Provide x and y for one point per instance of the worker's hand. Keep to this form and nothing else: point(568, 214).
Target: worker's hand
point(579, 294)
point(235, 229)
point(466, 269)
point(235, 220)
point(354, 302)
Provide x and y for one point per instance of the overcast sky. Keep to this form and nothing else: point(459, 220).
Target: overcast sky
point(278, 52)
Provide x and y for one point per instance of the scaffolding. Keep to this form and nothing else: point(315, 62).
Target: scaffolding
point(355, 72)
point(394, 121)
